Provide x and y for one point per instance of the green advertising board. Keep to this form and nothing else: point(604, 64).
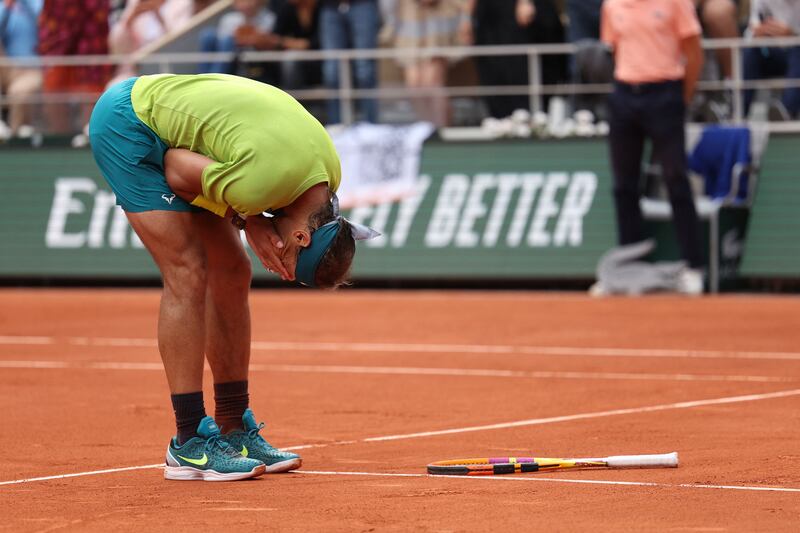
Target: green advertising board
point(496, 210)
point(58, 218)
point(493, 210)
point(772, 248)
point(482, 210)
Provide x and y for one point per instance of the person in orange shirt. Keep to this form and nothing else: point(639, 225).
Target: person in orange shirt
point(658, 58)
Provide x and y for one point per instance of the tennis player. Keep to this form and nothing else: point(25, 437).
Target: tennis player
point(194, 159)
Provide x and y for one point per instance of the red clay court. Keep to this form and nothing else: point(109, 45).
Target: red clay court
point(371, 386)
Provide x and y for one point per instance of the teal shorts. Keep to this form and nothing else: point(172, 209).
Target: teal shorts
point(130, 155)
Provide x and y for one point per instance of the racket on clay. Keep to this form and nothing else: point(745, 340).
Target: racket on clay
point(487, 466)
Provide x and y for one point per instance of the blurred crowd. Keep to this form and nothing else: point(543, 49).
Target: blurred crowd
point(127, 27)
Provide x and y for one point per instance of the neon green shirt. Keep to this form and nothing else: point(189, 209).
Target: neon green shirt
point(267, 148)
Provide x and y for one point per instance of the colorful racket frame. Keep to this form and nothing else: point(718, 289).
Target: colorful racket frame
point(487, 466)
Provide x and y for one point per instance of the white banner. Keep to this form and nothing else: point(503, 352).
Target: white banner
point(380, 163)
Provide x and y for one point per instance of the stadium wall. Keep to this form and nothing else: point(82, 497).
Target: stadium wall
point(483, 211)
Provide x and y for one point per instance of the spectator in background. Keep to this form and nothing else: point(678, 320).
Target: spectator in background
point(143, 22)
point(115, 9)
point(419, 24)
point(73, 27)
point(348, 24)
point(254, 27)
point(297, 28)
point(774, 18)
point(499, 22)
point(719, 20)
point(248, 27)
point(591, 63)
point(584, 20)
point(18, 39)
point(658, 57)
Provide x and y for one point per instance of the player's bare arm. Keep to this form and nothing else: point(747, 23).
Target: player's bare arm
point(184, 170)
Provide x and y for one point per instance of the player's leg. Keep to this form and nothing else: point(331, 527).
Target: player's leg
point(171, 239)
point(130, 157)
point(128, 153)
point(180, 257)
point(227, 342)
point(227, 317)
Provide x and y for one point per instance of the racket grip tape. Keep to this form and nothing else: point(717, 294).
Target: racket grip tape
point(666, 460)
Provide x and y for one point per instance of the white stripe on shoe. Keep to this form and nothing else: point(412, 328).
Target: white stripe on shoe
point(284, 466)
point(188, 473)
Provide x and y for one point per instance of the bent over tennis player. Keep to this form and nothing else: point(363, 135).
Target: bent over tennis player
point(193, 159)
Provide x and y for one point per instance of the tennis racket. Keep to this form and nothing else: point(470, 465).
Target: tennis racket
point(487, 466)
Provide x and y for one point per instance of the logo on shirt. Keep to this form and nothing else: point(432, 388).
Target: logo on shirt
point(168, 198)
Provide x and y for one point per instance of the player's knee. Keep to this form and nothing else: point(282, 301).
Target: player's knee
point(186, 275)
point(235, 272)
point(241, 269)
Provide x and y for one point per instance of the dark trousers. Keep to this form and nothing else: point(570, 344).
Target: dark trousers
point(496, 24)
point(761, 63)
point(652, 111)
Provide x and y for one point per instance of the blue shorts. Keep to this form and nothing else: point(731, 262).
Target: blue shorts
point(130, 155)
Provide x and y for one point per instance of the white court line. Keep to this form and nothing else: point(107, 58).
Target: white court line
point(597, 414)
point(35, 364)
point(470, 478)
point(480, 372)
point(81, 474)
point(78, 365)
point(416, 371)
point(557, 480)
point(483, 349)
point(9, 339)
point(518, 423)
point(478, 349)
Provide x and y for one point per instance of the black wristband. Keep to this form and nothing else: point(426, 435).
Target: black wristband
point(238, 221)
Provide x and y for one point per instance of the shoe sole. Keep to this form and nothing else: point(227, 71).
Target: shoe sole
point(284, 466)
point(188, 473)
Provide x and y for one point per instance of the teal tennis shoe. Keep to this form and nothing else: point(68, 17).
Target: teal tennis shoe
point(250, 444)
point(209, 457)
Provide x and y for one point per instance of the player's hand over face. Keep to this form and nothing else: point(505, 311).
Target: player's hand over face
point(267, 245)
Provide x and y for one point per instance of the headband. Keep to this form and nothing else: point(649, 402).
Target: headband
point(309, 258)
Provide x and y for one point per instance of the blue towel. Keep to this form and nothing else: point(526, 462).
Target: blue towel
point(719, 150)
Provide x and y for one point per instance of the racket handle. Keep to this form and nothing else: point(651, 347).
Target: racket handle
point(632, 461)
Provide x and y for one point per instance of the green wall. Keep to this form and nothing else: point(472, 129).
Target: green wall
point(772, 248)
point(483, 211)
point(515, 209)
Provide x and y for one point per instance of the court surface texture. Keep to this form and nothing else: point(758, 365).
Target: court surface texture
point(370, 386)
